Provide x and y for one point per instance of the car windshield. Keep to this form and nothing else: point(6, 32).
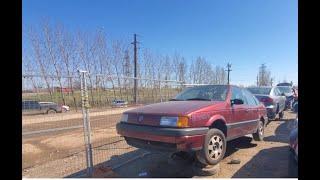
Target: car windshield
point(204, 93)
point(260, 90)
point(285, 89)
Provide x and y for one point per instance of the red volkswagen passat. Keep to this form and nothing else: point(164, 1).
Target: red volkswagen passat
point(199, 119)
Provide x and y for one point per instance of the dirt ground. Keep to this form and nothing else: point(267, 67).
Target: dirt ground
point(62, 154)
point(267, 159)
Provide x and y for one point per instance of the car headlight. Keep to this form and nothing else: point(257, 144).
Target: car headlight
point(124, 118)
point(174, 121)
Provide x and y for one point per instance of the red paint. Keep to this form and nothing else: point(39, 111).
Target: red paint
point(184, 143)
point(201, 113)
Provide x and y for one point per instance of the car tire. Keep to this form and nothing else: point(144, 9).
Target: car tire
point(51, 111)
point(281, 115)
point(213, 149)
point(259, 134)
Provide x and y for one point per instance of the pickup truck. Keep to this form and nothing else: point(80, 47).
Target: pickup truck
point(199, 119)
point(35, 107)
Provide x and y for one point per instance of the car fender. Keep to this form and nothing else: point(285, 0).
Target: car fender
point(214, 118)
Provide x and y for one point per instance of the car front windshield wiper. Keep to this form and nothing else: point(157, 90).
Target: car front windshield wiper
point(201, 99)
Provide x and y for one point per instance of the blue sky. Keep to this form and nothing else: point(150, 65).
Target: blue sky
point(243, 32)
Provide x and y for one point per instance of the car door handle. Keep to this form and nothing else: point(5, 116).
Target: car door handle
point(247, 110)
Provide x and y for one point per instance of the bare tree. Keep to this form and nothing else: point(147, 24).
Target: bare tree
point(50, 49)
point(66, 48)
point(264, 76)
point(36, 47)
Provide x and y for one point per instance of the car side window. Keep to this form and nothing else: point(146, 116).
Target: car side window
point(276, 92)
point(34, 105)
point(237, 94)
point(249, 97)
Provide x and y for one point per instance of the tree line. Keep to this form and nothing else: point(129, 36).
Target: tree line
point(52, 50)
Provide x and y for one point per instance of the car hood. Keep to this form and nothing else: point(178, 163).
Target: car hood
point(173, 107)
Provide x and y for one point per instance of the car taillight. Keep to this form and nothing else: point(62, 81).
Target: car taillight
point(266, 100)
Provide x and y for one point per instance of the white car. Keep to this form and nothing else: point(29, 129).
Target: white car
point(119, 103)
point(65, 108)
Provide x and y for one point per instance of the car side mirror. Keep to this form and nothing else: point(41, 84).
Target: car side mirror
point(236, 101)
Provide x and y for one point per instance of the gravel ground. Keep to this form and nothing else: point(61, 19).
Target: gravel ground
point(269, 158)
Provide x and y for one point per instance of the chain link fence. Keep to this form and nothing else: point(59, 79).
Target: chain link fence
point(68, 123)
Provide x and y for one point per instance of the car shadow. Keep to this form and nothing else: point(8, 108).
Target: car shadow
point(282, 132)
point(108, 168)
point(152, 165)
point(233, 146)
point(269, 163)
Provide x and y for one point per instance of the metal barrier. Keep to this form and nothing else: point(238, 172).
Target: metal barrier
point(73, 143)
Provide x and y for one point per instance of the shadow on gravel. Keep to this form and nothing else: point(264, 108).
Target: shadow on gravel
point(155, 165)
point(239, 143)
point(152, 165)
point(269, 163)
point(282, 132)
point(106, 168)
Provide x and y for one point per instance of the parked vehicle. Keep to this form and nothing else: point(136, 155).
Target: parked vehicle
point(273, 100)
point(289, 93)
point(285, 84)
point(65, 108)
point(119, 103)
point(199, 119)
point(293, 143)
point(35, 107)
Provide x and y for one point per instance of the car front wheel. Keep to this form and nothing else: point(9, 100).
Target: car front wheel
point(214, 148)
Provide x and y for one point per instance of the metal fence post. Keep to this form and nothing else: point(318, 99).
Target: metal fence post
point(86, 121)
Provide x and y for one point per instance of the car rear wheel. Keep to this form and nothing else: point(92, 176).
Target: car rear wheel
point(281, 115)
point(259, 134)
point(51, 111)
point(214, 148)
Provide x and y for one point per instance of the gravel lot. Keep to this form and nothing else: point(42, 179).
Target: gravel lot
point(61, 154)
point(267, 159)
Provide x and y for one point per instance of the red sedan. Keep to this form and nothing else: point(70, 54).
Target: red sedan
point(200, 119)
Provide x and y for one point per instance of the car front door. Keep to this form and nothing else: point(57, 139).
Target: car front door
point(35, 107)
point(240, 114)
point(253, 114)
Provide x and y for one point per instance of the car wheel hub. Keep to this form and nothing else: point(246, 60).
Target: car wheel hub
point(261, 129)
point(215, 147)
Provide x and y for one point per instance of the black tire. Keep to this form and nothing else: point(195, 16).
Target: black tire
point(281, 115)
point(259, 134)
point(201, 170)
point(214, 140)
point(51, 111)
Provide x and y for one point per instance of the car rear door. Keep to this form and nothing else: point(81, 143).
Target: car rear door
point(253, 114)
point(240, 114)
point(279, 100)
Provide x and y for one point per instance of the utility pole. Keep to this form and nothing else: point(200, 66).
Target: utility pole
point(228, 66)
point(135, 69)
point(257, 80)
point(271, 81)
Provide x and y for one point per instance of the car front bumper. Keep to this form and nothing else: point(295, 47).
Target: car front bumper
point(161, 138)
